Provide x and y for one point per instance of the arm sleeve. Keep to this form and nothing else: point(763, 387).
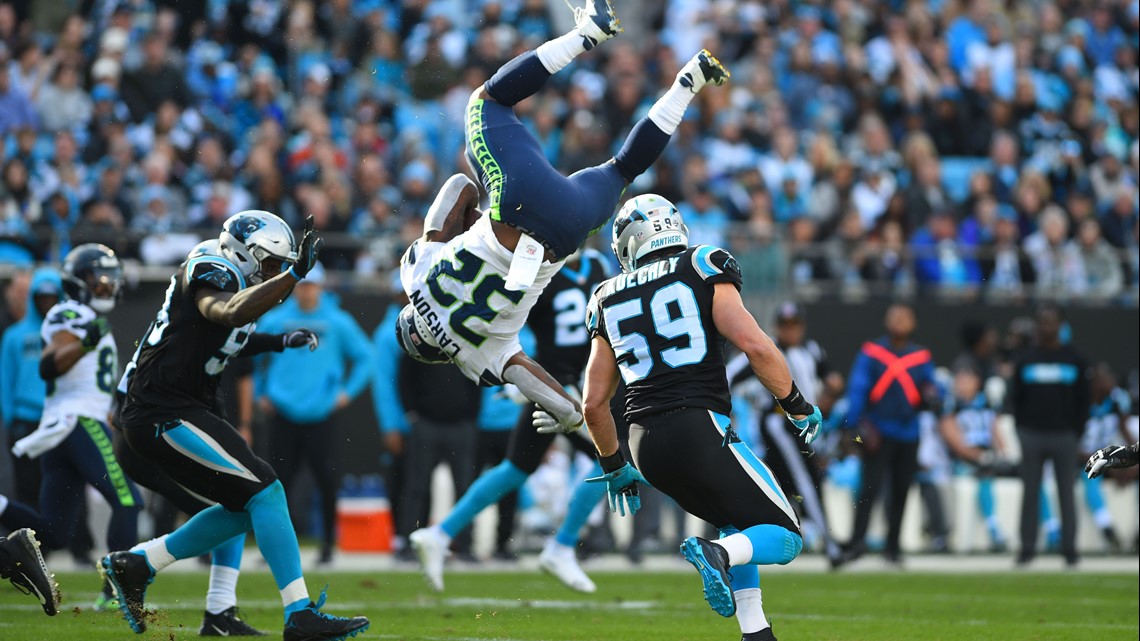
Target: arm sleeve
point(715, 265)
point(260, 343)
point(385, 398)
point(358, 349)
point(857, 387)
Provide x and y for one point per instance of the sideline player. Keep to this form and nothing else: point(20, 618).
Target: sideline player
point(661, 325)
point(208, 316)
point(221, 616)
point(473, 278)
point(79, 363)
point(562, 343)
point(23, 565)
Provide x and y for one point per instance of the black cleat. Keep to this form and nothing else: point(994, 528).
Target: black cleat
point(711, 561)
point(227, 623)
point(310, 624)
point(23, 565)
point(764, 635)
point(129, 574)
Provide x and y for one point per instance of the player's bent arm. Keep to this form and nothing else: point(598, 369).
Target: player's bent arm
point(242, 308)
point(541, 388)
point(453, 211)
point(737, 325)
point(601, 384)
point(60, 355)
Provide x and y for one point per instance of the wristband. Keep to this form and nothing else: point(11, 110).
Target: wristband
point(293, 273)
point(612, 462)
point(794, 404)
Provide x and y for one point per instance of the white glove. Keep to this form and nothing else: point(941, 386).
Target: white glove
point(546, 423)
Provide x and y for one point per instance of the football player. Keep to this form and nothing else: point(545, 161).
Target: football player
point(22, 563)
point(660, 327)
point(473, 278)
point(167, 418)
point(221, 617)
point(79, 363)
point(558, 323)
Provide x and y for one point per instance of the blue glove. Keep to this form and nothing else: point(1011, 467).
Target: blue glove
point(808, 425)
point(621, 488)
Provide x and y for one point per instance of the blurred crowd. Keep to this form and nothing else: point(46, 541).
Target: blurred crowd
point(964, 145)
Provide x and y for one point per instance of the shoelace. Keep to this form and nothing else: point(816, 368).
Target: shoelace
point(320, 602)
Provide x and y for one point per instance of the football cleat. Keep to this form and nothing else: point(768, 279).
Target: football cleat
point(560, 562)
point(703, 69)
point(23, 565)
point(129, 574)
point(431, 550)
point(595, 28)
point(310, 624)
point(711, 561)
point(764, 635)
point(226, 623)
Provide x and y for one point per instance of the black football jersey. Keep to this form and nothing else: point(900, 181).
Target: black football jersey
point(180, 359)
point(558, 318)
point(658, 320)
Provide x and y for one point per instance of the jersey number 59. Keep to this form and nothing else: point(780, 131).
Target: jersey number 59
point(675, 314)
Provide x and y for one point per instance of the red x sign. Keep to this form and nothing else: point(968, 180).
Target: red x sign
point(897, 370)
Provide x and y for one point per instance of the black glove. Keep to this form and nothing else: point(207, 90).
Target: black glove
point(94, 331)
point(300, 338)
point(307, 255)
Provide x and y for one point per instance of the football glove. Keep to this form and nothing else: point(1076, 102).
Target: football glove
point(545, 423)
point(300, 338)
point(94, 331)
point(1113, 456)
point(307, 253)
point(621, 489)
point(808, 425)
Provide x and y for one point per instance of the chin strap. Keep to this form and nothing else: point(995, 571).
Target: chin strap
point(565, 411)
point(445, 201)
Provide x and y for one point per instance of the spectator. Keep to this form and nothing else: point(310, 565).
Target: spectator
point(1006, 268)
point(21, 388)
point(890, 381)
point(62, 103)
point(1059, 265)
point(925, 194)
point(18, 206)
point(1102, 263)
point(155, 82)
point(1049, 398)
point(871, 194)
point(941, 258)
point(16, 109)
point(706, 220)
point(303, 390)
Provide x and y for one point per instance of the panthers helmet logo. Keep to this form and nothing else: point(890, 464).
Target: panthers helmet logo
point(243, 227)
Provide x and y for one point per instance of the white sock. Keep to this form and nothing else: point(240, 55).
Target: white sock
point(294, 592)
point(1102, 517)
point(156, 553)
point(750, 611)
point(739, 548)
point(3, 504)
point(668, 111)
point(557, 549)
point(222, 594)
point(556, 54)
point(443, 536)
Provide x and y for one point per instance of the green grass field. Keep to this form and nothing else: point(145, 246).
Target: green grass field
point(635, 607)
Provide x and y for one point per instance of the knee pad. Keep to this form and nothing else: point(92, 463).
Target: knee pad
point(793, 545)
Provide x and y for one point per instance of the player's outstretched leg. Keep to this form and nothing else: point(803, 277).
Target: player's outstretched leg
point(525, 75)
point(431, 543)
point(651, 134)
point(22, 563)
point(558, 557)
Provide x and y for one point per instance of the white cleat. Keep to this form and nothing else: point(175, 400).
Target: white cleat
point(703, 69)
point(559, 561)
point(431, 550)
point(595, 27)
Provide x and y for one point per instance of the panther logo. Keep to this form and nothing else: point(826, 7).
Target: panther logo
point(243, 227)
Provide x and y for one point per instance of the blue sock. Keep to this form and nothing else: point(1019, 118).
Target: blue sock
point(229, 553)
point(582, 502)
point(986, 497)
point(488, 489)
point(269, 514)
point(18, 515)
point(773, 545)
point(517, 80)
point(642, 148)
point(205, 531)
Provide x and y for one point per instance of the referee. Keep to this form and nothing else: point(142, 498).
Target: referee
point(791, 460)
point(1049, 398)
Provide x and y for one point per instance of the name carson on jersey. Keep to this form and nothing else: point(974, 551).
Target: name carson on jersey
point(434, 325)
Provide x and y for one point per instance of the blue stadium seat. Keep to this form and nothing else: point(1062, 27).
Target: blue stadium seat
point(956, 173)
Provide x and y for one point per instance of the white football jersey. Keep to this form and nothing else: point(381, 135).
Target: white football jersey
point(86, 388)
point(459, 289)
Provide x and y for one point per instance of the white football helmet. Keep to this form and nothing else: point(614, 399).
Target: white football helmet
point(250, 238)
point(646, 224)
point(208, 247)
